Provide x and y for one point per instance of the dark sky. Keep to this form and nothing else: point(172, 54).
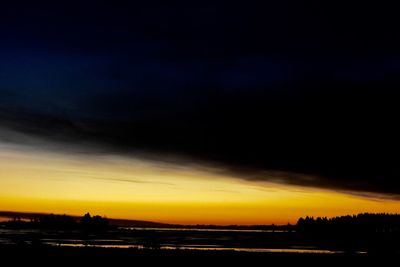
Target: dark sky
point(302, 87)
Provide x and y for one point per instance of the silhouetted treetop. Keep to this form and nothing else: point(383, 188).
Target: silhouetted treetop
point(95, 223)
point(363, 222)
point(62, 222)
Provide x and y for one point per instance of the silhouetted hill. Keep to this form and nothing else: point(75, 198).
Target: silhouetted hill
point(29, 216)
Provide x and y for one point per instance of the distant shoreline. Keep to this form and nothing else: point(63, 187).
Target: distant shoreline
point(7, 215)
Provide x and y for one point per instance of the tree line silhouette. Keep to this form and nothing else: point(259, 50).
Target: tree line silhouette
point(378, 233)
point(360, 223)
point(363, 222)
point(363, 232)
point(62, 222)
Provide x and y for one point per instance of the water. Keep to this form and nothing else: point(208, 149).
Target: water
point(204, 248)
point(167, 239)
point(4, 219)
point(202, 230)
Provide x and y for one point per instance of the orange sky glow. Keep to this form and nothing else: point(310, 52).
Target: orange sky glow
point(129, 188)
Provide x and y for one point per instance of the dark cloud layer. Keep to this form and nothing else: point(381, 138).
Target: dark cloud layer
point(309, 89)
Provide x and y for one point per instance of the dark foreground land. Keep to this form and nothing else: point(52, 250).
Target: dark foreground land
point(59, 240)
point(91, 256)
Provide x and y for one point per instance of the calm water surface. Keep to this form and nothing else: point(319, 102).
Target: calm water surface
point(130, 240)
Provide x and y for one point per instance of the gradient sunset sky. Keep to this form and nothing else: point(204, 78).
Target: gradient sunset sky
point(199, 113)
point(131, 188)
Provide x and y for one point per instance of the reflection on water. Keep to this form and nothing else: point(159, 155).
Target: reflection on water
point(165, 239)
point(206, 248)
point(4, 219)
point(92, 245)
point(202, 230)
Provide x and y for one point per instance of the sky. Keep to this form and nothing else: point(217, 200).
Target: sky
point(199, 112)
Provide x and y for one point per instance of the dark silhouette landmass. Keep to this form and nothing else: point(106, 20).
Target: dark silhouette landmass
point(375, 234)
point(29, 216)
point(360, 223)
point(61, 222)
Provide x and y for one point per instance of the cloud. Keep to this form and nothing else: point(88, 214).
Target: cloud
point(276, 93)
point(335, 140)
